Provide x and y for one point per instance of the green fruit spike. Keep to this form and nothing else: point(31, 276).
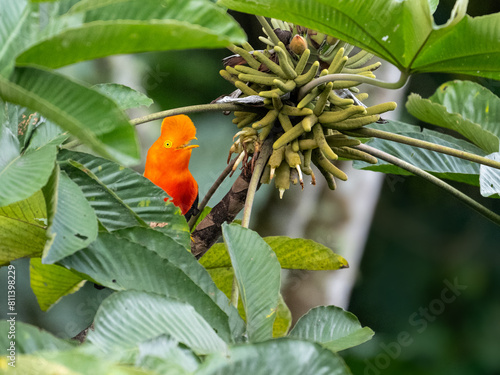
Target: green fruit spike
point(282, 181)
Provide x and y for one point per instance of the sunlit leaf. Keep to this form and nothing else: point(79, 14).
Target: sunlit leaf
point(51, 282)
point(292, 253)
point(22, 228)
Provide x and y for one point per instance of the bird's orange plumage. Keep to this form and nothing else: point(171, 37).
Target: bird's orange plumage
point(167, 162)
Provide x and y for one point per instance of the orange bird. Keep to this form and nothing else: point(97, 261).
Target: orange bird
point(167, 163)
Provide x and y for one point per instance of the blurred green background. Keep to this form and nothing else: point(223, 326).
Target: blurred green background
point(421, 240)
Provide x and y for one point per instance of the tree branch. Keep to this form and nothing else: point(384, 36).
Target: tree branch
point(366, 132)
point(209, 229)
point(264, 154)
point(436, 181)
point(213, 107)
point(211, 192)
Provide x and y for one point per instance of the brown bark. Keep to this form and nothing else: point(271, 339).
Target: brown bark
point(210, 229)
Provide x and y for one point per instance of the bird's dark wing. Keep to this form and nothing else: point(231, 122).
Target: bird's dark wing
point(193, 210)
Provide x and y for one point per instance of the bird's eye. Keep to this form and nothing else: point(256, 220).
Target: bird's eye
point(167, 144)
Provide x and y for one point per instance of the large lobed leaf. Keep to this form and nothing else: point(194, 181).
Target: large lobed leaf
point(130, 26)
point(257, 272)
point(401, 32)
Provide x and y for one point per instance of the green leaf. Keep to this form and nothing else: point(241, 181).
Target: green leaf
point(51, 282)
point(124, 96)
point(21, 175)
point(22, 229)
point(164, 355)
point(440, 165)
point(283, 320)
point(300, 253)
point(401, 32)
point(489, 178)
point(131, 26)
point(391, 29)
point(120, 263)
point(168, 249)
point(468, 47)
point(332, 327)
point(292, 253)
point(45, 133)
point(79, 361)
point(72, 221)
point(122, 197)
point(258, 275)
point(126, 319)
point(203, 214)
point(33, 131)
point(30, 339)
point(9, 145)
point(275, 357)
point(433, 4)
point(223, 279)
point(88, 115)
point(463, 106)
point(14, 33)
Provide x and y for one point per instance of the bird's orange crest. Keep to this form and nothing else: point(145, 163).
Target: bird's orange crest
point(177, 131)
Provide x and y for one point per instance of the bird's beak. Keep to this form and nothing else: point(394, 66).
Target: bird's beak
point(187, 146)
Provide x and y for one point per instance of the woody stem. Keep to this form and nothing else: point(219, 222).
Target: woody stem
point(436, 181)
point(264, 154)
point(213, 107)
